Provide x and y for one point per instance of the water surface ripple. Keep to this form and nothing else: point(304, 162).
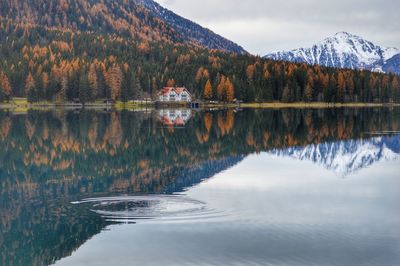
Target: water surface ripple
point(131, 209)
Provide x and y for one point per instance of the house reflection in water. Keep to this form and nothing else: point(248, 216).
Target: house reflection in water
point(175, 117)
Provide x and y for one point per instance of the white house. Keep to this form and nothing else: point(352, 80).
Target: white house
point(175, 94)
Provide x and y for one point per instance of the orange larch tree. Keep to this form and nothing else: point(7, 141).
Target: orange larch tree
point(114, 81)
point(208, 91)
point(341, 86)
point(229, 91)
point(309, 89)
point(5, 86)
point(29, 86)
point(171, 83)
point(221, 88)
point(395, 89)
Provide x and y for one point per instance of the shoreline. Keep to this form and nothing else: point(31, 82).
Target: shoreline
point(300, 105)
point(153, 105)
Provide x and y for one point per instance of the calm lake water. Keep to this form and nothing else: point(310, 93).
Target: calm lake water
point(180, 187)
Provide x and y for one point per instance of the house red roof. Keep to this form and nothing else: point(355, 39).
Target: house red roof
point(166, 90)
point(178, 90)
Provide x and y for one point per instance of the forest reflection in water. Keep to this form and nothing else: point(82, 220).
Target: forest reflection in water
point(50, 159)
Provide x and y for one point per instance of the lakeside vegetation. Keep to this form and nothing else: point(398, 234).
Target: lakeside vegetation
point(23, 105)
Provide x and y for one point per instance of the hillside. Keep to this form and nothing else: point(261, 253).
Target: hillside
point(191, 30)
point(137, 19)
point(64, 50)
point(344, 50)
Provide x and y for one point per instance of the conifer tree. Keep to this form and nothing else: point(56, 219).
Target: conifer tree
point(93, 82)
point(341, 87)
point(229, 91)
point(30, 88)
point(308, 92)
point(309, 87)
point(114, 81)
point(5, 88)
point(395, 86)
point(221, 88)
point(84, 89)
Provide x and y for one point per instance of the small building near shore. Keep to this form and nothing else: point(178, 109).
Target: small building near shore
point(174, 94)
point(109, 101)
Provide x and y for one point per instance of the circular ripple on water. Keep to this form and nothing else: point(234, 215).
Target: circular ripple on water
point(131, 209)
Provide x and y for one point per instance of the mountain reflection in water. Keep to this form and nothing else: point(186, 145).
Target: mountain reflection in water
point(50, 159)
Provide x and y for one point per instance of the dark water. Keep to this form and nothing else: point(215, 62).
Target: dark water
point(231, 187)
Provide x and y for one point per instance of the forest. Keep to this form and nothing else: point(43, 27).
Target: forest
point(49, 64)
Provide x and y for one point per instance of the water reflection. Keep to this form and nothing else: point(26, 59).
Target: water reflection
point(50, 159)
point(175, 117)
point(349, 156)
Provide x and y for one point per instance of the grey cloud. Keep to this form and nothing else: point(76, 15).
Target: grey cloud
point(262, 26)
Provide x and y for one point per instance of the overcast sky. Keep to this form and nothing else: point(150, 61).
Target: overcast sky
point(263, 26)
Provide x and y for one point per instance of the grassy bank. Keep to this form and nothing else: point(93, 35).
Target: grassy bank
point(280, 105)
point(315, 105)
point(23, 105)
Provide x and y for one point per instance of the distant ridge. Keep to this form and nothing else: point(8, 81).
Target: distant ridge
point(191, 30)
point(345, 50)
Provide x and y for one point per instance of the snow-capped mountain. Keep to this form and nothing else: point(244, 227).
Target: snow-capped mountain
point(347, 157)
point(344, 50)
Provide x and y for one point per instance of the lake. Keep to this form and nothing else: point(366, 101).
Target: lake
point(209, 187)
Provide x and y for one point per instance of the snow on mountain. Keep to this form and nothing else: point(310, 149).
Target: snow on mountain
point(392, 65)
point(390, 52)
point(344, 50)
point(347, 157)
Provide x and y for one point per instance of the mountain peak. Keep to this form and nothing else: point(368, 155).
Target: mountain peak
point(345, 37)
point(343, 50)
point(345, 34)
